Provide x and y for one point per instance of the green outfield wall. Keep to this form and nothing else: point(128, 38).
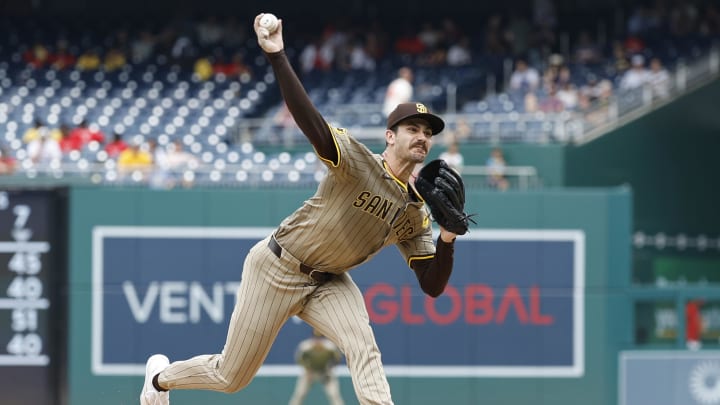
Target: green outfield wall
point(603, 215)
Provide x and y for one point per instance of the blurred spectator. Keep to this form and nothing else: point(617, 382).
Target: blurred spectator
point(435, 56)
point(359, 57)
point(545, 22)
point(142, 47)
point(693, 325)
point(544, 14)
point(496, 164)
point(37, 56)
point(114, 59)
point(620, 60)
point(563, 77)
point(203, 68)
point(494, 38)
point(69, 143)
point(286, 124)
point(178, 158)
point(134, 158)
point(429, 35)
point(642, 21)
point(450, 30)
point(587, 52)
point(459, 53)
point(33, 132)
point(594, 99)
point(634, 45)
point(234, 68)
point(7, 162)
point(312, 58)
point(62, 58)
point(709, 26)
point(234, 32)
point(683, 19)
point(568, 96)
point(332, 40)
point(160, 176)
point(517, 34)
point(400, 90)
point(531, 102)
point(637, 76)
point(44, 150)
point(88, 60)
point(116, 146)
point(457, 133)
point(551, 103)
point(659, 79)
point(209, 32)
point(555, 72)
point(84, 134)
point(524, 78)
point(453, 157)
point(408, 44)
point(183, 50)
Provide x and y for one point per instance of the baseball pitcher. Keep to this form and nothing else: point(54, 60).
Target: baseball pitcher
point(365, 203)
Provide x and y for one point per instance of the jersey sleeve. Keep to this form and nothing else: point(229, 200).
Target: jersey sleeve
point(420, 247)
point(353, 157)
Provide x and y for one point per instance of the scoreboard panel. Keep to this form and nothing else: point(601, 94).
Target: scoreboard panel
point(32, 295)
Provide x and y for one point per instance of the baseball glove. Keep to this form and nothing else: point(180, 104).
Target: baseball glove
point(443, 190)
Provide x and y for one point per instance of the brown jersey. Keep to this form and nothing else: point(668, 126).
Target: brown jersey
point(358, 209)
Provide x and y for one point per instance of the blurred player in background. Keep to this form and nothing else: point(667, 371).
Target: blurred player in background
point(317, 355)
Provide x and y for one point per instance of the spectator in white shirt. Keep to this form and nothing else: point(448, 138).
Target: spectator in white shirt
point(568, 95)
point(659, 79)
point(459, 53)
point(524, 77)
point(44, 150)
point(399, 90)
point(636, 76)
point(453, 157)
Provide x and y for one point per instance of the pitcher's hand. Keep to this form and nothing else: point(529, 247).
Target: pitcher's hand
point(269, 42)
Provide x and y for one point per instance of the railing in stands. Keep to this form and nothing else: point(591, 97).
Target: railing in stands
point(231, 175)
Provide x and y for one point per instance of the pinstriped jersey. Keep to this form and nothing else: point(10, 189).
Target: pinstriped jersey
point(358, 209)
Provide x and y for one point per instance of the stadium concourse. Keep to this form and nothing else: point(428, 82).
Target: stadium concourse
point(203, 82)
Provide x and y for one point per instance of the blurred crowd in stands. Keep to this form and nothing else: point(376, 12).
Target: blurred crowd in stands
point(214, 45)
point(550, 72)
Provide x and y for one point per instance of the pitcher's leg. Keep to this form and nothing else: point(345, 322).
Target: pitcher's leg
point(268, 295)
point(337, 310)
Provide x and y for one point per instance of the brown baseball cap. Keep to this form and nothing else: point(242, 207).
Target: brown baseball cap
point(404, 111)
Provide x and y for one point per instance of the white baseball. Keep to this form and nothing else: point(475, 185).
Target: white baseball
point(269, 22)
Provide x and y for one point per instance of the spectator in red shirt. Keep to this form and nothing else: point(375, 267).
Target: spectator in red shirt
point(83, 134)
point(69, 144)
point(693, 325)
point(115, 147)
point(233, 68)
point(7, 162)
point(62, 58)
point(409, 44)
point(37, 56)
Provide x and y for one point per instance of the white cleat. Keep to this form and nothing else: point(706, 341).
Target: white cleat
point(149, 395)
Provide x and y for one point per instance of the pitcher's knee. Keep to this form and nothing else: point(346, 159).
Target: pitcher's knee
point(234, 385)
point(232, 379)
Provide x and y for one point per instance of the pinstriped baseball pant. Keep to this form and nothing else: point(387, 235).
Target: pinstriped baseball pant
point(271, 291)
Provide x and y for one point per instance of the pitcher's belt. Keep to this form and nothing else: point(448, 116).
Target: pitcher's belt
point(319, 276)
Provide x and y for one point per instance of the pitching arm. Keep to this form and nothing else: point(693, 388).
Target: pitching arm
point(307, 117)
